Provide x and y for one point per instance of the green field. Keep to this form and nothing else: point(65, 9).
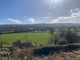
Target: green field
point(38, 37)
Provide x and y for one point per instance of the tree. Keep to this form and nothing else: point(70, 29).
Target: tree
point(54, 38)
point(71, 36)
point(63, 37)
point(51, 31)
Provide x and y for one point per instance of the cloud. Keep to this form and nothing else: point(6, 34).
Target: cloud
point(31, 20)
point(75, 10)
point(71, 10)
point(37, 20)
point(15, 21)
point(23, 21)
point(73, 18)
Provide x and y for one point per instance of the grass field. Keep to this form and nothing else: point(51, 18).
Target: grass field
point(38, 37)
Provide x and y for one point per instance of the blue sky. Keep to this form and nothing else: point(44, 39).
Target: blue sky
point(39, 11)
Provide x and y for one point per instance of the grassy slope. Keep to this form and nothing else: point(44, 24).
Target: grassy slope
point(39, 37)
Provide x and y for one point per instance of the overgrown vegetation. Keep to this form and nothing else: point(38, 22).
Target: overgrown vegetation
point(22, 45)
point(64, 37)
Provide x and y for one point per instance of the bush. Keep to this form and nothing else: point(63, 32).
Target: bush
point(64, 37)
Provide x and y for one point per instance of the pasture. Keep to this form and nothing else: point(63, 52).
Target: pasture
point(38, 37)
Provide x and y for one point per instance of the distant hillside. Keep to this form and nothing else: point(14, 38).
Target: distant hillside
point(25, 27)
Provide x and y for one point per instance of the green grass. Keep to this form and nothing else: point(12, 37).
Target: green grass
point(38, 37)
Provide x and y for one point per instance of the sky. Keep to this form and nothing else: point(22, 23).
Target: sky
point(39, 11)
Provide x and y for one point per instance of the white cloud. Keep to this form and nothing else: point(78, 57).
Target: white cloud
point(71, 10)
point(15, 21)
point(31, 20)
point(36, 20)
point(73, 18)
point(75, 10)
